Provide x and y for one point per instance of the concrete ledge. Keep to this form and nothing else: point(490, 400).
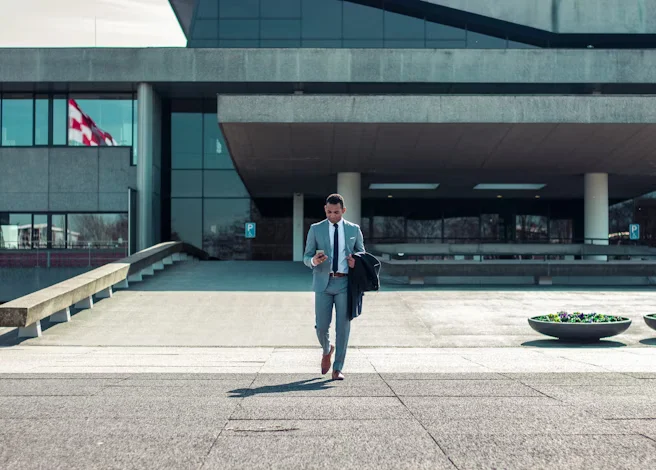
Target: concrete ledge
point(78, 291)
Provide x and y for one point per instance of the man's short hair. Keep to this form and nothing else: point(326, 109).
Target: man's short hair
point(335, 199)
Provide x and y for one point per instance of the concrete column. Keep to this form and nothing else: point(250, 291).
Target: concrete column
point(299, 236)
point(349, 186)
point(145, 124)
point(595, 212)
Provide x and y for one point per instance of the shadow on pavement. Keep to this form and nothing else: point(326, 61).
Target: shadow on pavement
point(648, 341)
point(557, 343)
point(299, 386)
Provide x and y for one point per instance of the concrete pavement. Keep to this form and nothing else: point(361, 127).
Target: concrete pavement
point(198, 367)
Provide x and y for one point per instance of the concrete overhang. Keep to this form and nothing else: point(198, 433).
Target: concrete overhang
point(183, 66)
point(285, 144)
point(566, 16)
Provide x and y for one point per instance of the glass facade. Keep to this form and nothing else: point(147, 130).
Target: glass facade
point(330, 24)
point(47, 230)
point(50, 120)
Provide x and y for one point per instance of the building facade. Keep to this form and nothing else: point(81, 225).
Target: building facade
point(440, 121)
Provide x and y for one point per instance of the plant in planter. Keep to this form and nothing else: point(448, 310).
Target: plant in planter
point(579, 326)
point(650, 320)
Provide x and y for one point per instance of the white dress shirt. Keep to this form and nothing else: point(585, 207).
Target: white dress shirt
point(342, 266)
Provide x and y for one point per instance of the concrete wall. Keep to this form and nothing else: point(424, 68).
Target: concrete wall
point(567, 16)
point(435, 109)
point(129, 66)
point(65, 179)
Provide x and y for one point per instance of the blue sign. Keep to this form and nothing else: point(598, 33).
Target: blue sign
point(250, 230)
point(634, 231)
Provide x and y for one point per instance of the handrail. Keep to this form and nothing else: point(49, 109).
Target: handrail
point(55, 301)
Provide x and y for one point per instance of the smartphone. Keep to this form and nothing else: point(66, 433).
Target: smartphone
point(319, 252)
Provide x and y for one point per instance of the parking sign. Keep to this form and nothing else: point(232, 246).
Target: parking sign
point(250, 230)
point(634, 231)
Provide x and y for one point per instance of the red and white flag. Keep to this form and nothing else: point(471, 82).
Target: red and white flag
point(83, 130)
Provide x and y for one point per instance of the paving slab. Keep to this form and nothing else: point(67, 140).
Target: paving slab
point(461, 388)
point(549, 451)
point(303, 385)
point(259, 407)
point(571, 378)
point(54, 387)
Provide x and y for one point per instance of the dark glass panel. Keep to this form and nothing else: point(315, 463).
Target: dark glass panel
point(208, 9)
point(239, 8)
point(645, 215)
point(280, 8)
point(237, 43)
point(362, 22)
point(223, 183)
point(481, 41)
point(280, 29)
point(561, 230)
point(215, 149)
point(58, 231)
point(461, 229)
point(424, 231)
point(186, 140)
point(203, 43)
point(531, 227)
point(206, 29)
point(388, 229)
point(492, 228)
point(40, 231)
point(99, 230)
point(396, 44)
point(436, 31)
point(363, 43)
point(322, 19)
point(322, 43)
point(17, 121)
point(446, 44)
point(187, 221)
point(520, 45)
point(274, 219)
point(224, 228)
point(403, 27)
point(280, 43)
point(15, 231)
point(59, 133)
point(186, 183)
point(41, 121)
point(239, 29)
point(620, 216)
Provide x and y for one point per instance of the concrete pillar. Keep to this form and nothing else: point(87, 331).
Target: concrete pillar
point(595, 212)
point(299, 236)
point(349, 186)
point(145, 124)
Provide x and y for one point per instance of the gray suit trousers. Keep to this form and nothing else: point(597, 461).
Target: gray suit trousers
point(335, 294)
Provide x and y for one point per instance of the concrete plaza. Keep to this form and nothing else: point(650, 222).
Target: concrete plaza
point(215, 365)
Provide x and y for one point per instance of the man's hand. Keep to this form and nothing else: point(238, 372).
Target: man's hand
point(319, 258)
point(351, 261)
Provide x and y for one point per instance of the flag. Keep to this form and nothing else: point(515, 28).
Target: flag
point(83, 130)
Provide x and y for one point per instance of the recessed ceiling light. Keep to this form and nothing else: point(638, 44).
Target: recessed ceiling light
point(499, 196)
point(537, 196)
point(497, 186)
point(390, 196)
point(403, 186)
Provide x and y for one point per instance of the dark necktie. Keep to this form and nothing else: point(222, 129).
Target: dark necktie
point(336, 248)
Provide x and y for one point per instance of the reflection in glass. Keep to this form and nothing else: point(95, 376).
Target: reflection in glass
point(389, 229)
point(645, 216)
point(531, 227)
point(224, 223)
point(561, 230)
point(208, 9)
point(280, 8)
point(239, 29)
point(492, 229)
point(399, 26)
point(461, 229)
point(620, 216)
point(239, 8)
point(424, 231)
point(57, 230)
point(15, 231)
point(322, 19)
point(186, 140)
point(41, 122)
point(215, 148)
point(17, 121)
point(98, 230)
point(280, 29)
point(40, 231)
point(113, 116)
point(187, 221)
point(362, 22)
point(481, 41)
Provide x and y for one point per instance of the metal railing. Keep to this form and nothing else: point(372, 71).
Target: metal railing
point(80, 254)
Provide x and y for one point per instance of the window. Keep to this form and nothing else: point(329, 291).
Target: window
point(322, 19)
point(15, 231)
point(208, 9)
point(239, 29)
point(206, 29)
point(280, 8)
point(186, 183)
point(114, 119)
point(17, 120)
point(97, 230)
point(58, 230)
point(239, 8)
point(41, 121)
point(215, 149)
point(59, 117)
point(187, 221)
point(186, 140)
point(403, 27)
point(223, 227)
point(40, 231)
point(280, 29)
point(362, 22)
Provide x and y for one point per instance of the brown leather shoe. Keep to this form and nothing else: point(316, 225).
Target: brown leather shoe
point(337, 375)
point(325, 360)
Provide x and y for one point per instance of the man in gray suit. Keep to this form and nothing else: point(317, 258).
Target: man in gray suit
point(328, 252)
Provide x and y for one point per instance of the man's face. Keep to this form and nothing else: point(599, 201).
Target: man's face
point(334, 212)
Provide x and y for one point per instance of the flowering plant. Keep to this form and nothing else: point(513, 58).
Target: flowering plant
point(579, 317)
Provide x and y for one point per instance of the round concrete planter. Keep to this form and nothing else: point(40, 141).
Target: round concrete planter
point(650, 320)
point(580, 331)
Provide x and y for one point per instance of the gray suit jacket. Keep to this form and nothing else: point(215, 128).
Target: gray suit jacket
point(318, 238)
